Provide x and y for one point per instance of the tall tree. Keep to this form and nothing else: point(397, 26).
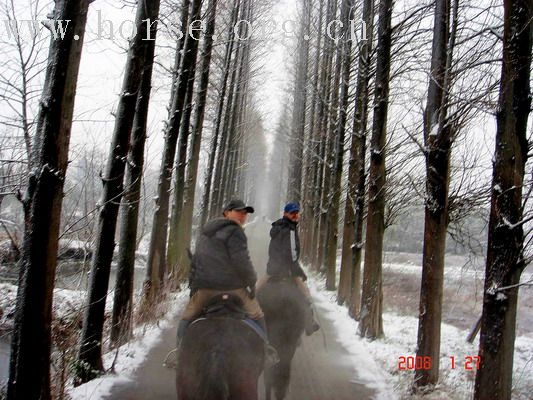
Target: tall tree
point(185, 221)
point(350, 276)
point(223, 151)
point(237, 114)
point(344, 62)
point(90, 355)
point(121, 326)
point(300, 97)
point(180, 164)
point(371, 322)
point(438, 137)
point(325, 114)
point(156, 265)
point(29, 374)
point(209, 177)
point(308, 224)
point(505, 253)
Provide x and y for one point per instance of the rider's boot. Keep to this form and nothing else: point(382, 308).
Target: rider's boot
point(182, 328)
point(271, 355)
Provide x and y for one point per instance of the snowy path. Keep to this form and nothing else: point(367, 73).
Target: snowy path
point(322, 369)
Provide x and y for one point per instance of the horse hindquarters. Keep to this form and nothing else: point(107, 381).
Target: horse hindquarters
point(284, 308)
point(220, 359)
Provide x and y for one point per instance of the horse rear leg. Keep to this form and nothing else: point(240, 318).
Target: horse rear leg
point(280, 379)
point(268, 386)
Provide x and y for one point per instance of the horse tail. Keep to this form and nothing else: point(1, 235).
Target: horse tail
point(215, 384)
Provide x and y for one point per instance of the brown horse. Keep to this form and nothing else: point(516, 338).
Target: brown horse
point(284, 307)
point(220, 358)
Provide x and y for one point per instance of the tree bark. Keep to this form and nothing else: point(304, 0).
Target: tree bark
point(223, 155)
point(505, 258)
point(309, 213)
point(179, 185)
point(235, 115)
point(314, 219)
point(345, 62)
point(326, 145)
point(298, 119)
point(350, 276)
point(121, 327)
point(185, 223)
point(156, 265)
point(371, 322)
point(438, 139)
point(218, 118)
point(90, 355)
point(29, 374)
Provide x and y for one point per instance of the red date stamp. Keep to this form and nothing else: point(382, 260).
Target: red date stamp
point(411, 363)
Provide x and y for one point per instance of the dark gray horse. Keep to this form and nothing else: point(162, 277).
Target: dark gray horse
point(220, 358)
point(284, 307)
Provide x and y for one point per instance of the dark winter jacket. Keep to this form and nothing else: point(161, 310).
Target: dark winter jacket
point(221, 260)
point(284, 252)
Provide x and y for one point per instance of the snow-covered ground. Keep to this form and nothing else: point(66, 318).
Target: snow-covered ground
point(376, 362)
point(129, 357)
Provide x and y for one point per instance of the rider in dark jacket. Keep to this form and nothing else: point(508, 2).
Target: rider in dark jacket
point(284, 250)
point(284, 255)
point(221, 264)
point(221, 259)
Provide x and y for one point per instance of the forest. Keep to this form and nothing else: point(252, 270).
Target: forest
point(398, 126)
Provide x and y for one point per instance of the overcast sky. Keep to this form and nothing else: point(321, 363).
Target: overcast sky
point(103, 65)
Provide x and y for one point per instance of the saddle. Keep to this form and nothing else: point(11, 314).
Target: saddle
point(224, 305)
point(227, 305)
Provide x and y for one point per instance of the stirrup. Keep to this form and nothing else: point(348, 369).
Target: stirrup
point(170, 360)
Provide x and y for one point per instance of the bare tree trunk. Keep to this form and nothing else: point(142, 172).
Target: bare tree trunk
point(344, 61)
point(29, 373)
point(185, 224)
point(235, 113)
point(350, 276)
point(179, 184)
point(505, 254)
point(185, 11)
point(371, 322)
point(438, 139)
point(300, 97)
point(220, 174)
point(326, 145)
point(310, 211)
point(185, 8)
point(218, 117)
point(156, 265)
point(90, 355)
point(121, 327)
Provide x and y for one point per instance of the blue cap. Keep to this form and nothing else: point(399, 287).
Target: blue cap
point(291, 208)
